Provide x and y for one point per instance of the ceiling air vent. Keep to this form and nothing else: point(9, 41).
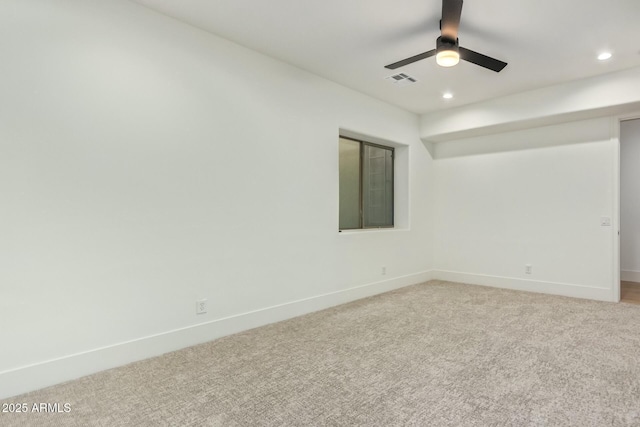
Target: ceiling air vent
point(401, 79)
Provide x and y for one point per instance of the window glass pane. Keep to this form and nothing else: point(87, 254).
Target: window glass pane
point(349, 184)
point(377, 186)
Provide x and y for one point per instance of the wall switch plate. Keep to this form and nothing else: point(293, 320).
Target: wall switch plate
point(201, 306)
point(605, 221)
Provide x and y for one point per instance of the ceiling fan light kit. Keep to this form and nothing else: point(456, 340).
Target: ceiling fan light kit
point(448, 52)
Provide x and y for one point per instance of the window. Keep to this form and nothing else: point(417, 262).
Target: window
point(366, 185)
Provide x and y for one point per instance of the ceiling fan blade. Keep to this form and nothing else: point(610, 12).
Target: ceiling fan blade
point(411, 60)
point(482, 60)
point(451, 11)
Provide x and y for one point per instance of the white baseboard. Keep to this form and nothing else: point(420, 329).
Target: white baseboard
point(630, 276)
point(564, 289)
point(50, 372)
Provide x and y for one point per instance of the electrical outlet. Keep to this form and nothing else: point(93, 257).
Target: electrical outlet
point(384, 271)
point(201, 306)
point(527, 268)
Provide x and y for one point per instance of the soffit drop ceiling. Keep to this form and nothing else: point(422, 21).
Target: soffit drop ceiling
point(350, 41)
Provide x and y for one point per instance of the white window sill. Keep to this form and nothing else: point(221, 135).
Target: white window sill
point(372, 230)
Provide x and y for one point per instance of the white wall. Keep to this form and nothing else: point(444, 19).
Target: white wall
point(533, 196)
point(630, 200)
point(145, 164)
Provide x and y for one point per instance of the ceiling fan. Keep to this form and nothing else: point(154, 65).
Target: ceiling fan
point(448, 52)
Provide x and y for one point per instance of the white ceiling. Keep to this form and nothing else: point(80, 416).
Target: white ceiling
point(350, 41)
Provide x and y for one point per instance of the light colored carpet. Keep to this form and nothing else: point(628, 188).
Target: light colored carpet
point(439, 354)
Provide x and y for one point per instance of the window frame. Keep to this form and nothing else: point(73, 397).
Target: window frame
point(361, 185)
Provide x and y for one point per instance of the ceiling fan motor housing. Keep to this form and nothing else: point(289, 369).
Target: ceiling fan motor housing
point(443, 43)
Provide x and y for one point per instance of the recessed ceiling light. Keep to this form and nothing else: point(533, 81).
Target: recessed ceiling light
point(447, 95)
point(604, 56)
